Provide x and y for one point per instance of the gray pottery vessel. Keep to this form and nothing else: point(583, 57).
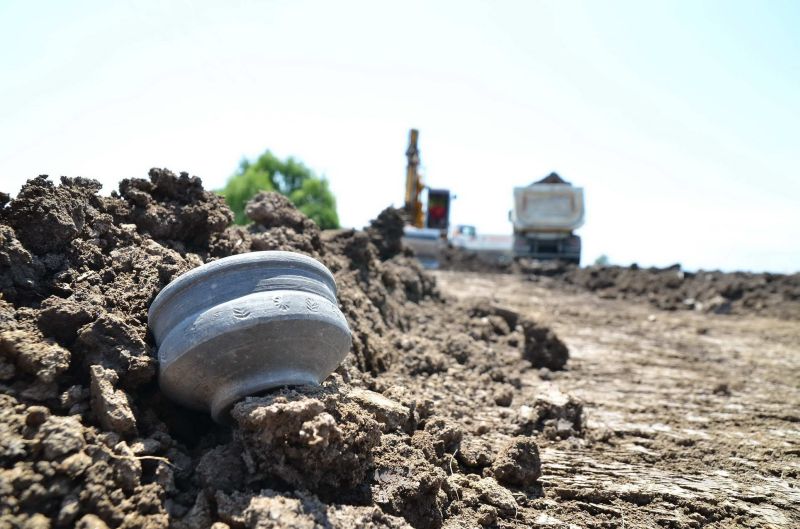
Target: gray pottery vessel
point(245, 324)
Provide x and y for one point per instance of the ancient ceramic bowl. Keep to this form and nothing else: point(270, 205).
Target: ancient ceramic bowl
point(245, 324)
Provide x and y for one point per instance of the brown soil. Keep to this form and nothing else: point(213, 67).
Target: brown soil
point(492, 402)
point(668, 288)
point(691, 418)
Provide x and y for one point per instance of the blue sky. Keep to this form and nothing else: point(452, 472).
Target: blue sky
point(679, 119)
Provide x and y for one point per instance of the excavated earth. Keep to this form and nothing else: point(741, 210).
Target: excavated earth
point(468, 400)
point(670, 288)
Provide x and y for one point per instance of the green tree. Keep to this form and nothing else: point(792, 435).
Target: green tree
point(310, 193)
point(602, 260)
point(314, 198)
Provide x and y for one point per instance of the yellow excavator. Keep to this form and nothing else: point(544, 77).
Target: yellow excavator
point(414, 185)
point(427, 227)
point(436, 215)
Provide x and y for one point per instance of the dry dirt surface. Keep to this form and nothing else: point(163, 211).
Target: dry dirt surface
point(468, 400)
point(691, 419)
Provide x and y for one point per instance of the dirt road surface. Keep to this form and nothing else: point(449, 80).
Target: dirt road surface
point(693, 418)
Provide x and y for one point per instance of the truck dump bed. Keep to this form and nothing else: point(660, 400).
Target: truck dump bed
point(547, 207)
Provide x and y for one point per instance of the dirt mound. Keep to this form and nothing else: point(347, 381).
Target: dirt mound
point(176, 212)
point(669, 288)
point(87, 439)
point(386, 232)
point(461, 260)
point(674, 289)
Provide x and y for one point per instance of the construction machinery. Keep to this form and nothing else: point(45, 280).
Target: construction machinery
point(436, 214)
point(426, 232)
point(544, 217)
point(414, 185)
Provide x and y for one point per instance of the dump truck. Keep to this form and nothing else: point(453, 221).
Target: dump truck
point(545, 215)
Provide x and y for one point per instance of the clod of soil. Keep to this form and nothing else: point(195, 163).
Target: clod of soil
point(313, 438)
point(406, 484)
point(110, 405)
point(518, 463)
point(542, 347)
point(554, 413)
point(270, 509)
